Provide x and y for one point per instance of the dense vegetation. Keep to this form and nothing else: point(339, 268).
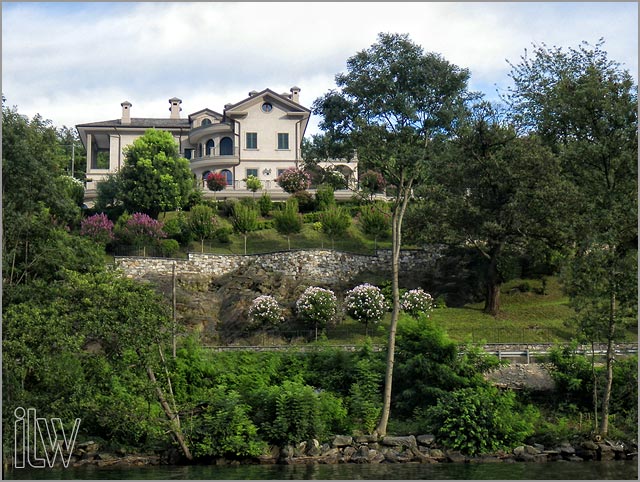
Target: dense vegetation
point(544, 190)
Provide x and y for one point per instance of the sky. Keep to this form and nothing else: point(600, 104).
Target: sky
point(75, 62)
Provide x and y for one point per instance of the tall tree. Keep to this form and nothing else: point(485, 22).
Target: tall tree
point(585, 105)
point(393, 104)
point(288, 221)
point(244, 220)
point(496, 191)
point(154, 177)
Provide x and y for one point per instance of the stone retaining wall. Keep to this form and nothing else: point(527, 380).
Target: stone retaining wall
point(325, 266)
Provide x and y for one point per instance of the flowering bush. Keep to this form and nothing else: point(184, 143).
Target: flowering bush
point(372, 181)
point(317, 305)
point(416, 302)
point(265, 311)
point(97, 227)
point(335, 179)
point(216, 181)
point(141, 229)
point(293, 180)
point(365, 303)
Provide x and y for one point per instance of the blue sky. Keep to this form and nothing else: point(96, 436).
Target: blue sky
point(76, 62)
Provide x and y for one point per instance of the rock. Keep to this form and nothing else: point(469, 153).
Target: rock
point(529, 449)
point(567, 449)
point(376, 458)
point(436, 454)
point(361, 456)
point(518, 451)
point(403, 441)
point(427, 439)
point(390, 456)
point(341, 441)
point(365, 439)
point(575, 458)
point(347, 453)
point(456, 457)
point(589, 445)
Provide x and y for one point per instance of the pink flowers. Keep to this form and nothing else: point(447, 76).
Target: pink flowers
point(216, 181)
point(294, 180)
point(265, 311)
point(97, 227)
point(141, 229)
point(416, 302)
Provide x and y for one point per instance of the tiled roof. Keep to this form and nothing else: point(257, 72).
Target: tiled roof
point(140, 122)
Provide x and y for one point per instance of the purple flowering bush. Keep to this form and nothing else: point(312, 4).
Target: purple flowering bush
point(140, 229)
point(265, 311)
point(97, 227)
point(365, 303)
point(318, 306)
point(293, 180)
point(416, 302)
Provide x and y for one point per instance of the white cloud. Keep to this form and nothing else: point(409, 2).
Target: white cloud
point(75, 63)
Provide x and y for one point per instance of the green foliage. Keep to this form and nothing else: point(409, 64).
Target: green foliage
point(294, 412)
point(253, 183)
point(335, 222)
point(265, 204)
point(306, 202)
point(375, 220)
point(202, 223)
point(244, 220)
point(480, 420)
point(364, 400)
point(325, 198)
point(573, 376)
point(169, 248)
point(224, 428)
point(154, 177)
point(288, 221)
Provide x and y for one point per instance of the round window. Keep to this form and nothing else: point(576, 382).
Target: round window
point(267, 107)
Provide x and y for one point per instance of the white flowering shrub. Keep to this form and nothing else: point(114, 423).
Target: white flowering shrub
point(317, 305)
point(265, 311)
point(416, 302)
point(365, 303)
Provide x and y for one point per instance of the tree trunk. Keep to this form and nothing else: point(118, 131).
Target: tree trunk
point(595, 385)
point(396, 223)
point(245, 244)
point(174, 420)
point(492, 297)
point(604, 427)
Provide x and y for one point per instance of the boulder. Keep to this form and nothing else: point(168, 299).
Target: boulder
point(341, 441)
point(455, 457)
point(402, 441)
point(427, 439)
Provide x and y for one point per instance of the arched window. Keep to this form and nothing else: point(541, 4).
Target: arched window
point(226, 146)
point(199, 150)
point(205, 122)
point(228, 175)
point(209, 149)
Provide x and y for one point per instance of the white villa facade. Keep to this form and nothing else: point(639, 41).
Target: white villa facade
point(260, 136)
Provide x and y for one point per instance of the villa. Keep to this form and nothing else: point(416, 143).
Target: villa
point(261, 136)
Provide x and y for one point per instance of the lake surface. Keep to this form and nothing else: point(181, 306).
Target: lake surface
point(617, 470)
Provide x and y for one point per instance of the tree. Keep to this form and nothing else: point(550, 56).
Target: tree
point(375, 220)
point(288, 221)
point(253, 184)
point(244, 220)
point(394, 104)
point(216, 181)
point(154, 177)
point(365, 303)
point(584, 106)
point(335, 223)
point(496, 191)
point(318, 306)
point(202, 223)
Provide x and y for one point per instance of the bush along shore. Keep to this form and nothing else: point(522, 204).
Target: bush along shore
point(368, 449)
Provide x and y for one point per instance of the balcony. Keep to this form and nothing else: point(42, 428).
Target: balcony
point(203, 132)
point(216, 160)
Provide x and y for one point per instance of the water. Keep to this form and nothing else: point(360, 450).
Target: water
point(618, 470)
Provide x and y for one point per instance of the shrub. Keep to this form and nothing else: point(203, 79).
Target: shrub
point(324, 197)
point(306, 202)
point(365, 303)
point(288, 221)
point(139, 229)
point(97, 227)
point(223, 234)
point(318, 306)
point(417, 302)
point(335, 179)
point(244, 220)
point(216, 181)
point(265, 204)
point(375, 221)
point(265, 311)
point(372, 182)
point(293, 180)
point(253, 183)
point(335, 222)
point(202, 223)
point(169, 247)
point(481, 420)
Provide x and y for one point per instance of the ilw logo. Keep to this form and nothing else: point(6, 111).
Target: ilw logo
point(38, 452)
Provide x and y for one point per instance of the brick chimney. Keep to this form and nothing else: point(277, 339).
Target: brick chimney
point(295, 94)
point(126, 112)
point(175, 108)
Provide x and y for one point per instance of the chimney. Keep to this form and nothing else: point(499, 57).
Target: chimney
point(295, 94)
point(252, 93)
point(126, 112)
point(175, 108)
